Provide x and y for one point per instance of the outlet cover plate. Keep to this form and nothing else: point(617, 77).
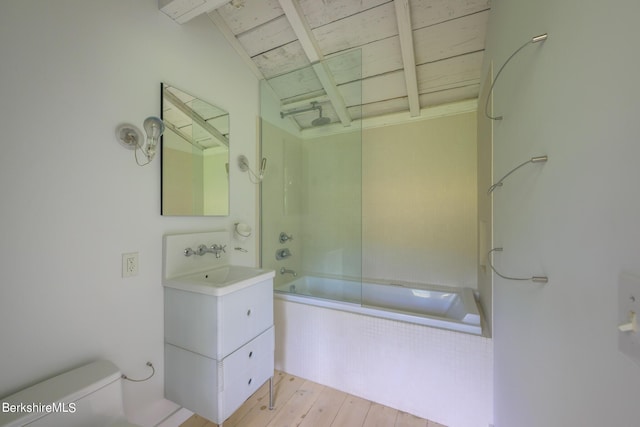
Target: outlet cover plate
point(130, 264)
point(629, 301)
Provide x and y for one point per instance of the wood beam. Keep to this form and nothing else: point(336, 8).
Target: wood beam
point(301, 28)
point(403, 16)
point(197, 118)
point(181, 134)
point(329, 84)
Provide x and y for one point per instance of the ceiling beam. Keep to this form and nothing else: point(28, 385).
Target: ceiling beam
point(403, 16)
point(182, 135)
point(301, 28)
point(197, 118)
point(311, 49)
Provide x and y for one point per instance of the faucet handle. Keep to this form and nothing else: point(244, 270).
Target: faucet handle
point(284, 237)
point(218, 248)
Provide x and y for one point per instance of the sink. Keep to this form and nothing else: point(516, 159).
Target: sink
point(220, 280)
point(206, 274)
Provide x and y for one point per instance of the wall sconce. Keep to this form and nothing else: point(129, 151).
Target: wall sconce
point(243, 164)
point(131, 137)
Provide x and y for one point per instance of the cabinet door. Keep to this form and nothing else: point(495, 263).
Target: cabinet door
point(244, 315)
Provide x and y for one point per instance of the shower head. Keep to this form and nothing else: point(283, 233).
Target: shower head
point(320, 121)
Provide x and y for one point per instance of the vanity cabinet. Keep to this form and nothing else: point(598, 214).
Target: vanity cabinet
point(219, 349)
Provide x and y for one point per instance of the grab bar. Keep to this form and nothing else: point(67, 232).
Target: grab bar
point(537, 279)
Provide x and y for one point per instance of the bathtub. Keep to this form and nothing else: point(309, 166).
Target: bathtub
point(449, 308)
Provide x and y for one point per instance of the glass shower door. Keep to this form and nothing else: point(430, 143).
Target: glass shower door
point(311, 204)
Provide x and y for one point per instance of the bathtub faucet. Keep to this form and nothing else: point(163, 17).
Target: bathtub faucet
point(285, 271)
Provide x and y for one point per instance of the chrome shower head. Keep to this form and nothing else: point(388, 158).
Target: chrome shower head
point(320, 121)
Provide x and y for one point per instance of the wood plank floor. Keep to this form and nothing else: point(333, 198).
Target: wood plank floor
point(303, 403)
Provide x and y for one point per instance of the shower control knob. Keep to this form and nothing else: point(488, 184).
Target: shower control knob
point(283, 253)
point(284, 237)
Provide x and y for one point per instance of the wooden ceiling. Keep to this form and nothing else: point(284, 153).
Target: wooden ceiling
point(414, 53)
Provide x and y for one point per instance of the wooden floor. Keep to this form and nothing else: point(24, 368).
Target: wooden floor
point(303, 403)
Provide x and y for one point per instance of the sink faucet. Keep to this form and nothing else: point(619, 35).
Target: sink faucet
point(287, 271)
point(214, 249)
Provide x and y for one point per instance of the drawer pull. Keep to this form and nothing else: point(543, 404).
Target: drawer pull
point(249, 383)
point(250, 354)
point(249, 312)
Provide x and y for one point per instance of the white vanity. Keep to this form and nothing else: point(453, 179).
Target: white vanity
point(219, 334)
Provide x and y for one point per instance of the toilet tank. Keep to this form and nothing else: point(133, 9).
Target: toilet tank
point(88, 396)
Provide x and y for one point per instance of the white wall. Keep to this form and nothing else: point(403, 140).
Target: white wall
point(73, 200)
point(332, 204)
point(575, 98)
point(419, 201)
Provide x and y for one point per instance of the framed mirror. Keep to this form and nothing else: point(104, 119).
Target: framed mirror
point(195, 156)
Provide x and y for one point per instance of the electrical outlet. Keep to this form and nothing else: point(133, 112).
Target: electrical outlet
point(130, 264)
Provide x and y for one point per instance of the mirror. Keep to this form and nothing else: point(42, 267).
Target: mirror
point(195, 156)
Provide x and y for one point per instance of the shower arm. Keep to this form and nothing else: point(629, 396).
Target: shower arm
point(313, 107)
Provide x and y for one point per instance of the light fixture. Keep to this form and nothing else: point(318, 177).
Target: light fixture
point(243, 165)
point(535, 39)
point(131, 137)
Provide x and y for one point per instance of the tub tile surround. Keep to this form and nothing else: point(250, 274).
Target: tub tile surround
point(440, 375)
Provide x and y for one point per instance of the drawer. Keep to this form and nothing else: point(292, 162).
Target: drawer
point(192, 381)
point(244, 315)
point(191, 321)
point(216, 389)
point(217, 326)
point(246, 369)
point(250, 357)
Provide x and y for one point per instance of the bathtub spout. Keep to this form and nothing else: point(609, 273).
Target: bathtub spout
point(287, 271)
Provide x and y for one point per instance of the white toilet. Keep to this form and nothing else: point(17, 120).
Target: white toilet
point(89, 396)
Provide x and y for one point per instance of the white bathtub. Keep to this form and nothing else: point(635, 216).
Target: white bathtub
point(449, 308)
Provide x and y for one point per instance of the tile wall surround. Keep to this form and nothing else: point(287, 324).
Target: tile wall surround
point(436, 374)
